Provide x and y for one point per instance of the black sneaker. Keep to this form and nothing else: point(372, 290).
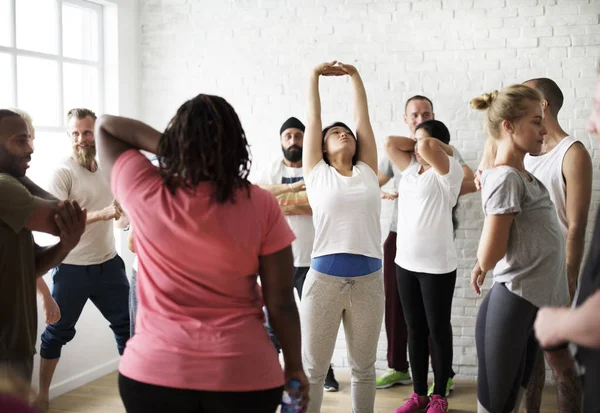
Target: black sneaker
point(331, 384)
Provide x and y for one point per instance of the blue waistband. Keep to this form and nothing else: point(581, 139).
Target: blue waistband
point(346, 265)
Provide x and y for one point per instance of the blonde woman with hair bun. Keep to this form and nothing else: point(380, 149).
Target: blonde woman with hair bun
point(521, 243)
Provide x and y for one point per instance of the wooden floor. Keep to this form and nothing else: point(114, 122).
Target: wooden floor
point(102, 396)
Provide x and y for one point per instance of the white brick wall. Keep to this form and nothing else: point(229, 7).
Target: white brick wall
point(258, 54)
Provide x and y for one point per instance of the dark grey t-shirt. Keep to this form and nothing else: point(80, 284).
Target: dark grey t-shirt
point(534, 266)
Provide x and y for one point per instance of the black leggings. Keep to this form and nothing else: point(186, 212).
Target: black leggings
point(506, 348)
point(427, 302)
point(146, 398)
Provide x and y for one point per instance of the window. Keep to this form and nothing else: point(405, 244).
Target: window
point(51, 60)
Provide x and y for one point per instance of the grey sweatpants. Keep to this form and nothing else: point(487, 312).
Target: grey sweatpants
point(359, 303)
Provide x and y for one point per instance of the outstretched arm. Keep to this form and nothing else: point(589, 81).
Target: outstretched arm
point(367, 148)
point(312, 151)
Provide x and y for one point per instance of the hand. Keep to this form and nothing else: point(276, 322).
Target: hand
point(298, 186)
point(547, 326)
point(51, 310)
point(478, 179)
point(113, 211)
point(388, 196)
point(348, 69)
point(71, 223)
point(477, 278)
point(301, 377)
point(329, 69)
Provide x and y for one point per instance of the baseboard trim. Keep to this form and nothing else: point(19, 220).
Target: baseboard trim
point(84, 378)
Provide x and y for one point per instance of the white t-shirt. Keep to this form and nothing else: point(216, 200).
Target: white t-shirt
point(302, 225)
point(346, 210)
point(71, 181)
point(425, 240)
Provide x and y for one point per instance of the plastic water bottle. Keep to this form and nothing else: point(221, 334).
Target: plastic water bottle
point(290, 402)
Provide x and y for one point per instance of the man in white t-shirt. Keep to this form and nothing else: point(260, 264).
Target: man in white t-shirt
point(93, 270)
point(284, 179)
point(417, 110)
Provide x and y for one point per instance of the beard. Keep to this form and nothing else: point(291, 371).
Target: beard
point(11, 163)
point(293, 153)
point(85, 157)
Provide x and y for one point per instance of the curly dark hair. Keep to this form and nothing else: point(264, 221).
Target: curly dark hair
point(203, 142)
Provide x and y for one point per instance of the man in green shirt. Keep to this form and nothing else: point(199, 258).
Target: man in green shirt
point(21, 260)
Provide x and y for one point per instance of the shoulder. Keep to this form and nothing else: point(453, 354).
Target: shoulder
point(366, 170)
point(10, 183)
point(576, 153)
point(500, 176)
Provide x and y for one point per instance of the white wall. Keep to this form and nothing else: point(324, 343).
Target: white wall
point(93, 353)
point(258, 54)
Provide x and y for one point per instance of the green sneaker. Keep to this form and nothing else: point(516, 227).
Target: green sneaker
point(393, 377)
point(449, 388)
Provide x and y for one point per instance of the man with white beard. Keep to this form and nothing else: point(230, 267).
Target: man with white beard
point(93, 270)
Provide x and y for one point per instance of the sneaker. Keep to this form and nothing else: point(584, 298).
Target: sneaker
point(331, 384)
point(438, 404)
point(449, 388)
point(415, 404)
point(393, 377)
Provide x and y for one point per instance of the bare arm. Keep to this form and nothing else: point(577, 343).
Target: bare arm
point(383, 179)
point(489, 155)
point(279, 189)
point(70, 221)
point(554, 326)
point(577, 172)
point(42, 288)
point(130, 244)
point(312, 150)
point(51, 309)
point(115, 135)
point(276, 275)
point(494, 240)
point(432, 151)
point(400, 149)
point(468, 184)
point(303, 209)
point(35, 190)
point(367, 149)
point(42, 218)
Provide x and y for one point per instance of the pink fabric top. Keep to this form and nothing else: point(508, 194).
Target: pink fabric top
point(199, 322)
point(13, 404)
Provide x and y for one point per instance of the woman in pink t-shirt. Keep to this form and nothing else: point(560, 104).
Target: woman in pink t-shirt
point(203, 233)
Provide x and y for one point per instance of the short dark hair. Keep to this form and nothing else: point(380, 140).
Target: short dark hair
point(80, 113)
point(551, 92)
point(343, 125)
point(435, 129)
point(5, 113)
point(418, 97)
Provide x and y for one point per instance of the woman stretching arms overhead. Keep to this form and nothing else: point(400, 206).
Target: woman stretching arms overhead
point(345, 281)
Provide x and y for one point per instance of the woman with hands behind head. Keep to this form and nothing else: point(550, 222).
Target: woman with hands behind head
point(344, 283)
point(200, 344)
point(426, 259)
point(521, 242)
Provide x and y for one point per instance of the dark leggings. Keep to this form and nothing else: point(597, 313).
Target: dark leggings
point(506, 348)
point(427, 302)
point(146, 398)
